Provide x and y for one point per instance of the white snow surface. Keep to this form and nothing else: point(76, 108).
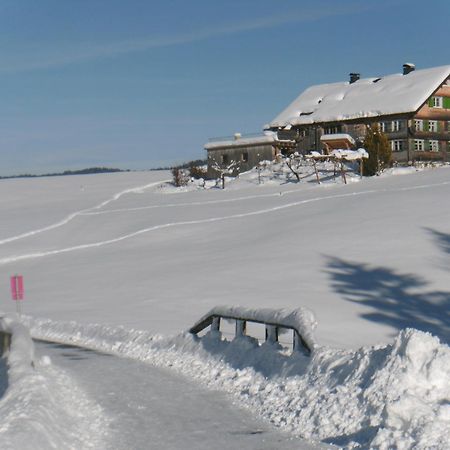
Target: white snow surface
point(337, 136)
point(367, 97)
point(350, 155)
point(266, 137)
point(42, 408)
point(106, 257)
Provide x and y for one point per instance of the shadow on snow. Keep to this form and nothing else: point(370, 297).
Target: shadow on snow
point(396, 299)
point(441, 239)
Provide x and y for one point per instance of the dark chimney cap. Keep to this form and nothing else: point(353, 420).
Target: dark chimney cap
point(354, 77)
point(408, 67)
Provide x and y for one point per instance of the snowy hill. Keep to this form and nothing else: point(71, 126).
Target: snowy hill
point(370, 258)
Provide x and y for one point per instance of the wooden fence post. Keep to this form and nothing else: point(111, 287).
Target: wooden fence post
point(271, 334)
point(241, 327)
point(215, 325)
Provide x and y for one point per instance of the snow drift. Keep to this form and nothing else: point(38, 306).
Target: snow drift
point(41, 407)
point(391, 396)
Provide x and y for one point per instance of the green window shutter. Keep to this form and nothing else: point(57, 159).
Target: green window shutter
point(425, 125)
point(430, 102)
point(446, 102)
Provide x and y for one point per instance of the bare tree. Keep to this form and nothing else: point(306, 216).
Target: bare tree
point(225, 169)
point(294, 163)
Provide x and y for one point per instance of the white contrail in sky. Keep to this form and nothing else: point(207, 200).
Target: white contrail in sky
point(62, 56)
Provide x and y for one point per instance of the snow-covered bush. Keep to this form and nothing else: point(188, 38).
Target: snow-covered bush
point(197, 172)
point(180, 177)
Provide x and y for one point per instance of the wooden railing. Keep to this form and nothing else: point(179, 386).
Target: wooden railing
point(5, 343)
point(213, 320)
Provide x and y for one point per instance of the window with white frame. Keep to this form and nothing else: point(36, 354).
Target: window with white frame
point(396, 125)
point(436, 102)
point(382, 127)
point(432, 125)
point(419, 145)
point(418, 125)
point(397, 145)
point(434, 146)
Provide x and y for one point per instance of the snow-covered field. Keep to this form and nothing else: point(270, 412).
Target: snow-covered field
point(120, 262)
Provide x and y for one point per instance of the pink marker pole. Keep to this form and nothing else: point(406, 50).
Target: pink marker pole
point(17, 291)
point(13, 288)
point(19, 287)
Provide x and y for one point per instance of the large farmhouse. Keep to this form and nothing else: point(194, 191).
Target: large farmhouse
point(412, 108)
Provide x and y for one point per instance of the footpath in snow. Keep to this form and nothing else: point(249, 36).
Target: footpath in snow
point(152, 407)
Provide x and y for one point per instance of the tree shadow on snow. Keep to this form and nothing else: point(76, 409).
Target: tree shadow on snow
point(441, 239)
point(396, 299)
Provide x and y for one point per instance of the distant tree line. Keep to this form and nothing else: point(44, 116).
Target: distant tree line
point(87, 171)
point(185, 165)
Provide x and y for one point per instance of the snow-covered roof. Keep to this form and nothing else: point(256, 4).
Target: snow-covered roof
point(337, 137)
point(267, 136)
point(368, 97)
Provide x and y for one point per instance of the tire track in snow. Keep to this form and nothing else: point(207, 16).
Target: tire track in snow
point(11, 259)
point(72, 216)
point(228, 200)
point(207, 202)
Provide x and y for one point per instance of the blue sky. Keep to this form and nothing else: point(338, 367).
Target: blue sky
point(140, 84)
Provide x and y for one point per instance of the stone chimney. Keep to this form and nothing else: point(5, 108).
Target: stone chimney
point(354, 77)
point(408, 67)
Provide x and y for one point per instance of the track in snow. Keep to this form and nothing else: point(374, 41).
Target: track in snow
point(16, 258)
point(153, 408)
point(75, 214)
